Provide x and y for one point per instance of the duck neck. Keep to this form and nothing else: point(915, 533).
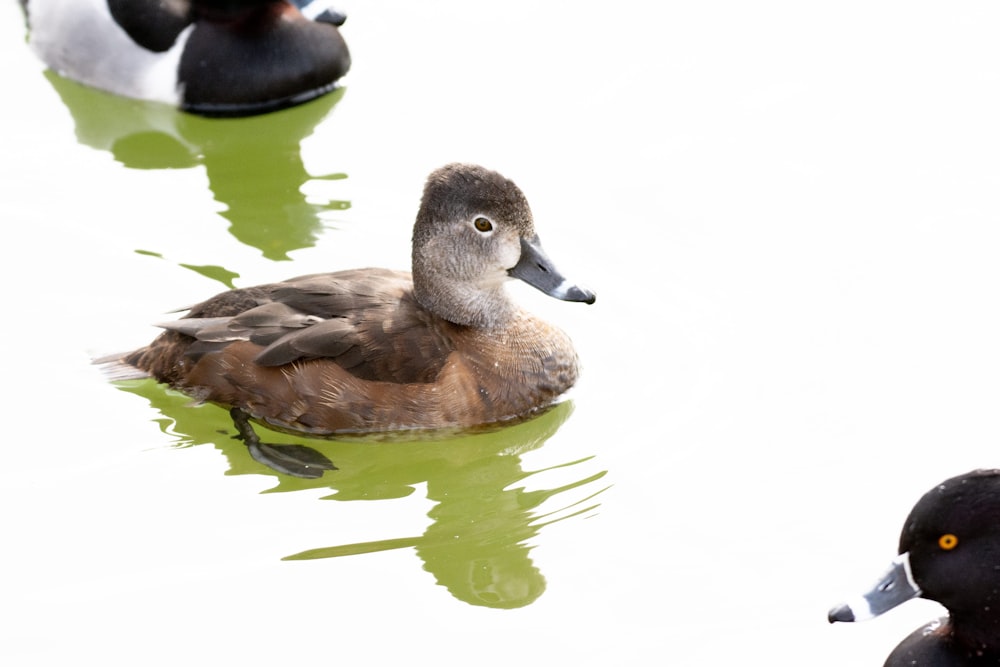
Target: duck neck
point(467, 305)
point(977, 630)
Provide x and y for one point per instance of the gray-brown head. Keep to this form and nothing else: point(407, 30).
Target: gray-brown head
point(474, 231)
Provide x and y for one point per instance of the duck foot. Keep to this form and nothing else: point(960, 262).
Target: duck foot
point(295, 460)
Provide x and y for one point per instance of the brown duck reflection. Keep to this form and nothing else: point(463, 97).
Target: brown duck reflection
point(477, 544)
point(254, 165)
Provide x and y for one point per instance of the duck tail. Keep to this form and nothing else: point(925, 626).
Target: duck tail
point(116, 367)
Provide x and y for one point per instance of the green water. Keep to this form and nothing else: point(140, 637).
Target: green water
point(484, 519)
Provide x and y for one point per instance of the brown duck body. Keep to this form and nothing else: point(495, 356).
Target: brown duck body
point(354, 351)
point(371, 350)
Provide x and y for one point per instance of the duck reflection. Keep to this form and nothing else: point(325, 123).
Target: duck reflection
point(477, 544)
point(254, 165)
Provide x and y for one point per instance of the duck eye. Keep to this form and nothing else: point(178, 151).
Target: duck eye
point(947, 541)
point(482, 224)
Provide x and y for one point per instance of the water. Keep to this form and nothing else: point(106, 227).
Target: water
point(788, 215)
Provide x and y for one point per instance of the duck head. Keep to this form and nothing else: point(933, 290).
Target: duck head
point(474, 232)
point(949, 552)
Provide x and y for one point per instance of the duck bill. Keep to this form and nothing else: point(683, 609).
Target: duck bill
point(535, 268)
point(892, 589)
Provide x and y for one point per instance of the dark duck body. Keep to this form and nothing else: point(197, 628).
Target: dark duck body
point(375, 350)
point(211, 57)
point(949, 552)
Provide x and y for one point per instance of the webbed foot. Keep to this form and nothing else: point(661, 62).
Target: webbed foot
point(295, 460)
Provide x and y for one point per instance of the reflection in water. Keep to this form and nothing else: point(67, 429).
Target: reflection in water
point(483, 518)
point(222, 274)
point(254, 165)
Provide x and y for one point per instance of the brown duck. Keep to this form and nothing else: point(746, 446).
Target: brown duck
point(375, 350)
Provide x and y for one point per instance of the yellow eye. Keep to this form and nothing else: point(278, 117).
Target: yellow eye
point(482, 224)
point(947, 541)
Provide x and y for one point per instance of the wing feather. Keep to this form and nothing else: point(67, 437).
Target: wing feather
point(366, 321)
